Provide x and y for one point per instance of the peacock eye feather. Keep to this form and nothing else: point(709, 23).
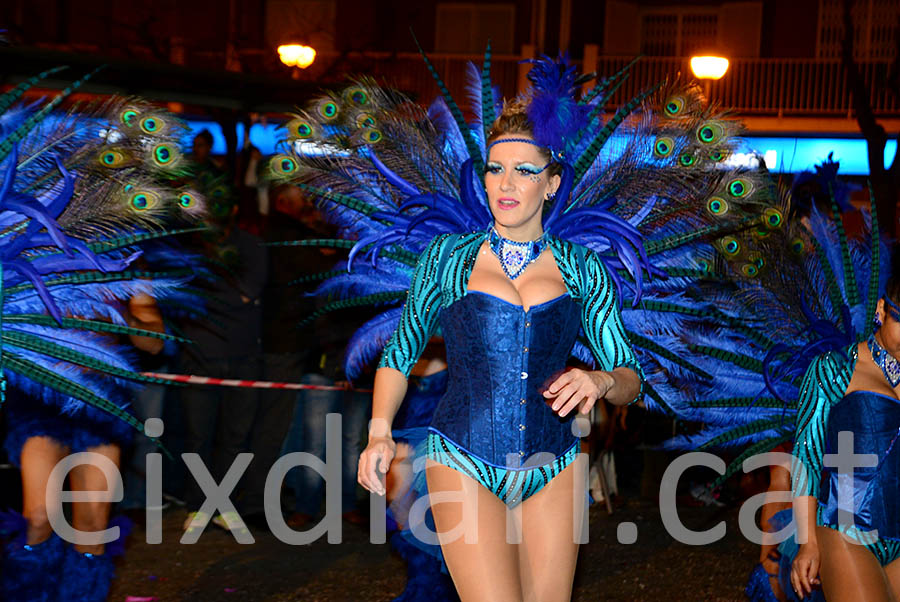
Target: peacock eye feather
point(710, 133)
point(761, 232)
point(703, 264)
point(283, 165)
point(152, 125)
point(113, 158)
point(164, 154)
point(798, 246)
point(750, 270)
point(300, 129)
point(674, 106)
point(143, 200)
point(327, 109)
point(128, 115)
point(367, 136)
point(717, 206)
point(738, 188)
point(663, 147)
point(687, 160)
point(730, 246)
point(365, 120)
point(773, 218)
point(717, 156)
point(357, 96)
point(186, 200)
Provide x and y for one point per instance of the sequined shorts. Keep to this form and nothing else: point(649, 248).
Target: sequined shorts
point(511, 485)
point(886, 551)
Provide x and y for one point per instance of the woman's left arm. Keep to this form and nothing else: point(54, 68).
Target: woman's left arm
point(619, 378)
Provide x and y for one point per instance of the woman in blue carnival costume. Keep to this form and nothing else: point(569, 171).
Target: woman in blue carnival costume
point(512, 237)
point(511, 302)
point(854, 390)
point(80, 194)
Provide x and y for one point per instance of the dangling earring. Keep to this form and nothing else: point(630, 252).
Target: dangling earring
point(877, 322)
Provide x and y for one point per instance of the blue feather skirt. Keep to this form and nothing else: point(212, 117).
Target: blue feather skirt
point(27, 417)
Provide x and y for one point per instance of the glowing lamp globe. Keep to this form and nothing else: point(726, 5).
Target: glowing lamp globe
point(709, 67)
point(296, 55)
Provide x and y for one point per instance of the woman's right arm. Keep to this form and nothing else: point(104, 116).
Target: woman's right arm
point(417, 323)
point(806, 468)
point(375, 460)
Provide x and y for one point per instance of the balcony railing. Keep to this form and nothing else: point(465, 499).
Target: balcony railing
point(759, 87)
point(776, 87)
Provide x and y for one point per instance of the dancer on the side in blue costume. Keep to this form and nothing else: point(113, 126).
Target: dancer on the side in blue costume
point(809, 298)
point(854, 390)
point(79, 196)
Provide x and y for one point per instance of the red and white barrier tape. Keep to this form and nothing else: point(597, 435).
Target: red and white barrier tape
point(192, 379)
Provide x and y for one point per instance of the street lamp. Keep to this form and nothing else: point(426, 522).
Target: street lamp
point(297, 55)
point(709, 67)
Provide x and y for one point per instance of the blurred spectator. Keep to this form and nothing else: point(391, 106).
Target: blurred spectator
point(324, 342)
point(284, 345)
point(147, 402)
point(254, 193)
point(227, 344)
point(202, 153)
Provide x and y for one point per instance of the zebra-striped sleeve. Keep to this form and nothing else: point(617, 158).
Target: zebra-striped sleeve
point(823, 385)
point(601, 319)
point(420, 313)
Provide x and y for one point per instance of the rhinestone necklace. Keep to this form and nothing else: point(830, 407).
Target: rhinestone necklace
point(515, 256)
point(884, 360)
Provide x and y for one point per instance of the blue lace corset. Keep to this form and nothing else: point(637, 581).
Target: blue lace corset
point(500, 358)
point(874, 420)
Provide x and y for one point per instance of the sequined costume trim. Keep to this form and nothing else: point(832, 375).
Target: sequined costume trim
point(511, 485)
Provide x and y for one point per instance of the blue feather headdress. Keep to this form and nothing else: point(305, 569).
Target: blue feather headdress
point(558, 119)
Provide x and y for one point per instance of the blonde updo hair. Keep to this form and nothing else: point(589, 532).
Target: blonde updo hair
point(513, 121)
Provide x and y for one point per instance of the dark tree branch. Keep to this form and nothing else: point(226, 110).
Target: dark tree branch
point(862, 104)
point(885, 182)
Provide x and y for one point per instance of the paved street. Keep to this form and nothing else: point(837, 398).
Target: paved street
point(219, 569)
